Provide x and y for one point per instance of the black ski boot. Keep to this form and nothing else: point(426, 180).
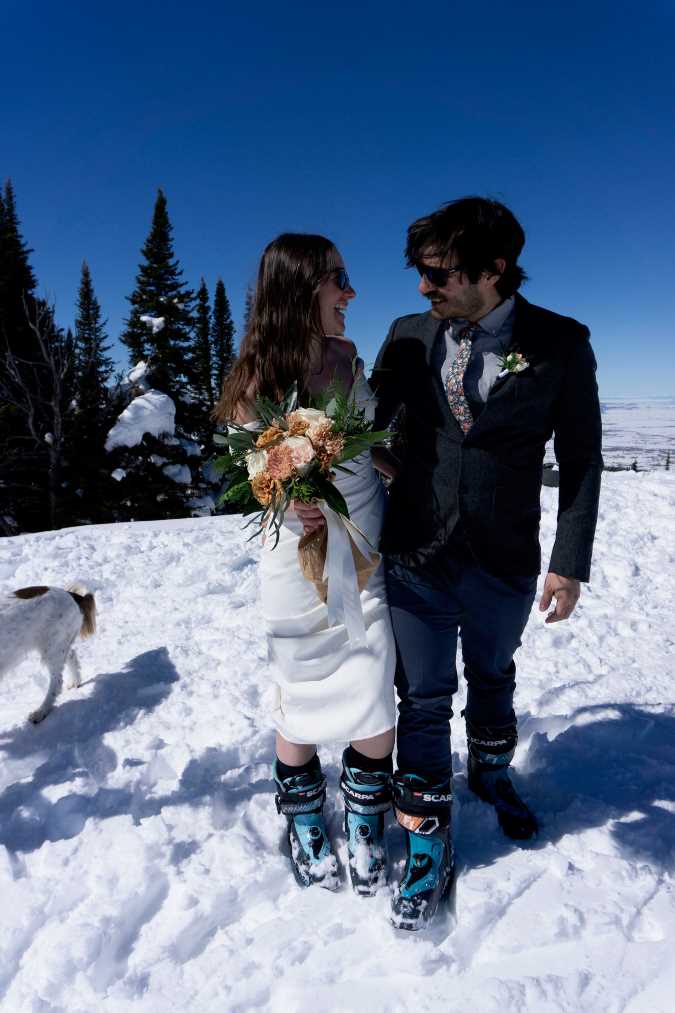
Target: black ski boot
point(301, 799)
point(491, 750)
point(367, 796)
point(423, 810)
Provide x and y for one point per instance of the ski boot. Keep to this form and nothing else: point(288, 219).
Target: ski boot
point(301, 799)
point(491, 750)
point(367, 796)
point(423, 810)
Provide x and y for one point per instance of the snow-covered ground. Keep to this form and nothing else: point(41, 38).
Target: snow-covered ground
point(142, 864)
point(636, 429)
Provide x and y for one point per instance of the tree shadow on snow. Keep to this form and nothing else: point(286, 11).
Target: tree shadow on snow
point(617, 768)
point(71, 742)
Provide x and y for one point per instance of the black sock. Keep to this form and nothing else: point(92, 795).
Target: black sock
point(353, 758)
point(285, 770)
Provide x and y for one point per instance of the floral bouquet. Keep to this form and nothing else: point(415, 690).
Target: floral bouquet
point(294, 455)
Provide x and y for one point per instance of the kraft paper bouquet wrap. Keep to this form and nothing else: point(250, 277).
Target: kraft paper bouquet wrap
point(294, 455)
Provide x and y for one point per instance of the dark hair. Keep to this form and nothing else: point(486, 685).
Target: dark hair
point(478, 231)
point(284, 321)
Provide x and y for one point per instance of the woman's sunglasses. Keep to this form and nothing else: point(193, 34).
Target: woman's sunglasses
point(437, 276)
point(341, 279)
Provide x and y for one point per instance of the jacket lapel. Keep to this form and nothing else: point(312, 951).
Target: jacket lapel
point(521, 341)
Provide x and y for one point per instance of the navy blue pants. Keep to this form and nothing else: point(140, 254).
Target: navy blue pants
point(430, 606)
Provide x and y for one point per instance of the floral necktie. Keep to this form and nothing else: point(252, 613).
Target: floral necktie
point(459, 406)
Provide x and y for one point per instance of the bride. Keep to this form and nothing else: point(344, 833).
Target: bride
point(326, 687)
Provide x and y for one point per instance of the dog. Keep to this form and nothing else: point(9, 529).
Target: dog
point(46, 620)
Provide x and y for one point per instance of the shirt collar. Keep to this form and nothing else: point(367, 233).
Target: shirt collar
point(492, 322)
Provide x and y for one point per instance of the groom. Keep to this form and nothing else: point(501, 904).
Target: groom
point(483, 379)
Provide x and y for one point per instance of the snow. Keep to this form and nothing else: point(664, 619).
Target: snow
point(191, 448)
point(152, 412)
point(636, 429)
point(202, 506)
point(156, 324)
point(178, 473)
point(138, 373)
point(142, 862)
point(118, 474)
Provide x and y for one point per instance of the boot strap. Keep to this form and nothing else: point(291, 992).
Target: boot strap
point(424, 809)
point(424, 825)
point(302, 800)
point(365, 802)
point(493, 746)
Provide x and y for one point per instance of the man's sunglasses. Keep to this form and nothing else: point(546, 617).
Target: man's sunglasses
point(341, 279)
point(437, 276)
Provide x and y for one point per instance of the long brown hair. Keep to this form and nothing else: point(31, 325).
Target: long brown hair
point(284, 324)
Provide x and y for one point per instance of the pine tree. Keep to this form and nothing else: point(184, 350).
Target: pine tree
point(22, 460)
point(17, 281)
point(94, 366)
point(222, 336)
point(248, 307)
point(164, 300)
point(202, 367)
point(158, 475)
point(93, 412)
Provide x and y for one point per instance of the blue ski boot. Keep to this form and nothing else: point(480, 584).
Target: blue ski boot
point(367, 796)
point(491, 750)
point(301, 799)
point(423, 810)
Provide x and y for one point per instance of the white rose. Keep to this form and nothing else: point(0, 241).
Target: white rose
point(256, 461)
point(312, 416)
point(302, 452)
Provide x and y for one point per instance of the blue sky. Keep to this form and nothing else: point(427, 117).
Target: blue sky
point(352, 120)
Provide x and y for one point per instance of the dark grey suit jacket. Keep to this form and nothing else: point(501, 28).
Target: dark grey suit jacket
point(491, 477)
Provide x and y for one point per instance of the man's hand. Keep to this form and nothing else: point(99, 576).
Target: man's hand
point(565, 590)
point(311, 517)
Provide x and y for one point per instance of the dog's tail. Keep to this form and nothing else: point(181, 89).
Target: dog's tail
point(84, 600)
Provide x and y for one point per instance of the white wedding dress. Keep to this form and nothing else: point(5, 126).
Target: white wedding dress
point(326, 688)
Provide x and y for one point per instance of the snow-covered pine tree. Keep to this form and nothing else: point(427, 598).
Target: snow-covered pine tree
point(159, 327)
point(94, 412)
point(222, 337)
point(159, 473)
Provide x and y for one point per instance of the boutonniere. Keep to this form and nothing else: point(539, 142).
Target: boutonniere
point(512, 362)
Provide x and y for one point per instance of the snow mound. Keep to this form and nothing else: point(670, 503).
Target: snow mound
point(153, 413)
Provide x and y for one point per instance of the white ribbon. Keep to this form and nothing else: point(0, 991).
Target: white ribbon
point(343, 599)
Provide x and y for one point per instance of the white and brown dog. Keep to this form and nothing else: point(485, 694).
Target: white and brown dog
point(46, 620)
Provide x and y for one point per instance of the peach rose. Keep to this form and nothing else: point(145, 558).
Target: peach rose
point(302, 453)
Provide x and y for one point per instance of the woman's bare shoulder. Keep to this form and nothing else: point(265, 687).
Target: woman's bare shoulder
point(245, 411)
